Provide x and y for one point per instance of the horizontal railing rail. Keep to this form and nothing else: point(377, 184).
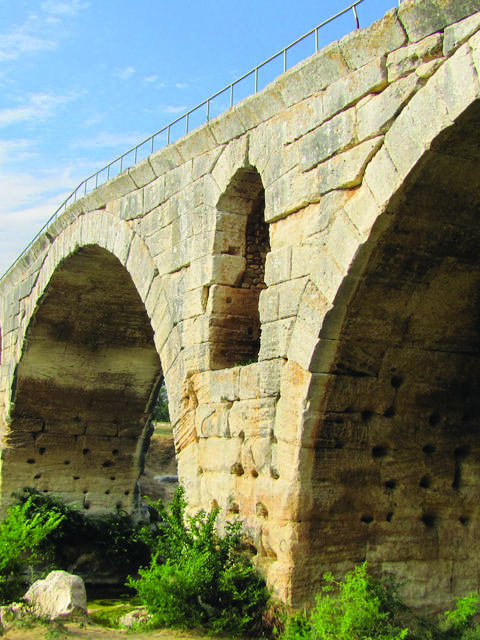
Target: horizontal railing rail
point(147, 147)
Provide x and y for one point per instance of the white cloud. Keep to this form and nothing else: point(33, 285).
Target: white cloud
point(21, 40)
point(69, 9)
point(181, 85)
point(106, 139)
point(125, 73)
point(17, 150)
point(37, 107)
point(171, 108)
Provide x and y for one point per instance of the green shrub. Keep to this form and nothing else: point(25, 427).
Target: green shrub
point(359, 608)
point(21, 538)
point(115, 538)
point(199, 578)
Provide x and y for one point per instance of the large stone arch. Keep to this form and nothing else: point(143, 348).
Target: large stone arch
point(387, 397)
point(89, 368)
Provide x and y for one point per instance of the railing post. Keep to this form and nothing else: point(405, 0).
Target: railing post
point(357, 22)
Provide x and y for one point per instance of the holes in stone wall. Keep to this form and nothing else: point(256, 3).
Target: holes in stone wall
point(428, 449)
point(237, 469)
point(390, 412)
point(41, 451)
point(107, 464)
point(425, 482)
point(86, 452)
point(390, 484)
point(396, 382)
point(430, 520)
point(366, 415)
point(31, 461)
point(261, 510)
point(389, 516)
point(275, 474)
point(434, 419)
point(464, 520)
point(380, 451)
point(366, 519)
point(37, 476)
point(254, 473)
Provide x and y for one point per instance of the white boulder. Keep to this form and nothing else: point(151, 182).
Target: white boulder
point(59, 595)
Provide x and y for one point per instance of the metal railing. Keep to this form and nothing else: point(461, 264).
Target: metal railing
point(147, 146)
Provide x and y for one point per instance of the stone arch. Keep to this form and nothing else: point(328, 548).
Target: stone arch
point(243, 236)
point(118, 372)
point(392, 438)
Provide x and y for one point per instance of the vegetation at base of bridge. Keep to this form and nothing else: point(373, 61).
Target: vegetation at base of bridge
point(194, 577)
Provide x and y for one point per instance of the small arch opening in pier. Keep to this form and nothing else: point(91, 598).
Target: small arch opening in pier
point(241, 244)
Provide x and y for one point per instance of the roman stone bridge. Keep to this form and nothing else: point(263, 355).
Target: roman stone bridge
point(304, 273)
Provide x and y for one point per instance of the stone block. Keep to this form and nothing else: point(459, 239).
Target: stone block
point(302, 118)
point(456, 34)
point(326, 274)
point(363, 210)
point(231, 301)
point(226, 126)
point(204, 163)
point(140, 266)
point(268, 304)
point(177, 180)
point(382, 177)
point(278, 265)
point(333, 136)
point(259, 107)
point(405, 60)
point(312, 75)
point(371, 78)
point(234, 156)
point(456, 82)
point(249, 383)
point(289, 296)
point(376, 113)
point(165, 159)
point(130, 206)
point(252, 418)
point(291, 192)
point(142, 173)
point(420, 19)
point(275, 338)
point(383, 36)
point(346, 169)
point(154, 194)
point(196, 142)
point(212, 420)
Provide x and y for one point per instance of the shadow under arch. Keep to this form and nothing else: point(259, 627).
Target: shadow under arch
point(84, 387)
point(396, 450)
point(243, 235)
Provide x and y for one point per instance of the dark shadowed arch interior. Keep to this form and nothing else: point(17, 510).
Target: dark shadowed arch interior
point(85, 384)
point(396, 476)
point(242, 234)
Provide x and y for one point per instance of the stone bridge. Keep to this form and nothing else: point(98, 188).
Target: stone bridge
point(304, 273)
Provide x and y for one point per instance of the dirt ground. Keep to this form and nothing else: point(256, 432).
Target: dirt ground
point(73, 631)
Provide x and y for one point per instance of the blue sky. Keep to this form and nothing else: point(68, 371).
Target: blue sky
point(81, 81)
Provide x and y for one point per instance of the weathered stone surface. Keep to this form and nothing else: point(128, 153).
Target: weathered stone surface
point(60, 596)
point(420, 19)
point(405, 60)
point(335, 135)
point(304, 273)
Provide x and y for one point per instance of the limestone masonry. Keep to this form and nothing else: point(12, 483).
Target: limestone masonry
point(304, 272)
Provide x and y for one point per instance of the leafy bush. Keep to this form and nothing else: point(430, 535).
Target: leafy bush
point(199, 578)
point(115, 538)
point(21, 539)
point(358, 608)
